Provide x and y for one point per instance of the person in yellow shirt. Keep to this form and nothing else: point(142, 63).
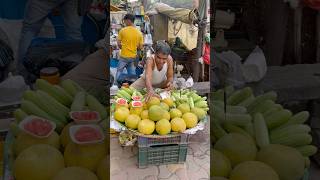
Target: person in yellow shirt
point(130, 39)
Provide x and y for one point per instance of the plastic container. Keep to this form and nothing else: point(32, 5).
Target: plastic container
point(174, 140)
point(162, 155)
point(85, 117)
point(50, 74)
point(75, 128)
point(29, 119)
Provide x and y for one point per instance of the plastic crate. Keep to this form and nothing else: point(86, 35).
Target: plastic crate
point(162, 155)
point(149, 141)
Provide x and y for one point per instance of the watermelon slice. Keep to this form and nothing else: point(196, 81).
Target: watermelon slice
point(121, 101)
point(37, 126)
point(85, 116)
point(136, 104)
point(136, 98)
point(83, 134)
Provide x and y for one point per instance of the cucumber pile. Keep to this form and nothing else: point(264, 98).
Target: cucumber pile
point(261, 119)
point(54, 102)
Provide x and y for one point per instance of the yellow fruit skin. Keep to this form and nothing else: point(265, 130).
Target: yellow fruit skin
point(178, 125)
point(155, 113)
point(24, 141)
point(73, 173)
point(121, 114)
point(184, 108)
point(86, 156)
point(153, 101)
point(166, 115)
point(119, 106)
point(144, 114)
point(199, 112)
point(146, 126)
point(132, 121)
point(38, 162)
point(164, 106)
point(136, 110)
point(190, 119)
point(163, 127)
point(65, 136)
point(174, 113)
point(168, 101)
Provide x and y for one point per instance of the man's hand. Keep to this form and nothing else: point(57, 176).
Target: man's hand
point(151, 94)
point(169, 86)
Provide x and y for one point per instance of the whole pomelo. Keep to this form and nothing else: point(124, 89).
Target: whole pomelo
point(286, 161)
point(163, 127)
point(166, 115)
point(84, 155)
point(153, 101)
point(38, 162)
point(184, 108)
point(146, 126)
point(155, 113)
point(190, 119)
point(102, 172)
point(168, 101)
point(75, 173)
point(65, 136)
point(174, 113)
point(144, 114)
point(221, 165)
point(178, 125)
point(201, 114)
point(121, 114)
point(164, 106)
point(132, 121)
point(237, 148)
point(24, 141)
point(252, 170)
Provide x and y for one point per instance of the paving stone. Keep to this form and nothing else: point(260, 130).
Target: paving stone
point(201, 173)
point(150, 178)
point(173, 177)
point(182, 174)
point(138, 174)
point(174, 167)
point(191, 165)
point(119, 176)
point(164, 172)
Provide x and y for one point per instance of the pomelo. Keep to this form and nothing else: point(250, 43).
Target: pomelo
point(163, 127)
point(184, 108)
point(121, 114)
point(144, 114)
point(221, 165)
point(65, 136)
point(132, 121)
point(178, 125)
point(164, 106)
point(168, 101)
point(190, 119)
point(102, 172)
point(136, 107)
point(146, 126)
point(166, 115)
point(75, 173)
point(155, 113)
point(153, 101)
point(201, 114)
point(175, 113)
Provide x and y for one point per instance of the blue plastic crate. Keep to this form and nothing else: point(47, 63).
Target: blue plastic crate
point(114, 62)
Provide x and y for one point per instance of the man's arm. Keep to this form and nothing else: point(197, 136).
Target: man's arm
point(148, 68)
point(119, 39)
point(170, 70)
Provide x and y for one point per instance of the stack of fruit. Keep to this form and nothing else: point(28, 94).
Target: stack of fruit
point(55, 130)
point(256, 137)
point(161, 116)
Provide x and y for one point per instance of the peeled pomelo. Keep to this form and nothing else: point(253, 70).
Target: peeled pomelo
point(38, 162)
point(65, 136)
point(121, 114)
point(136, 107)
point(121, 102)
point(153, 101)
point(163, 127)
point(190, 119)
point(184, 108)
point(174, 113)
point(24, 141)
point(253, 170)
point(201, 114)
point(164, 106)
point(155, 113)
point(168, 101)
point(237, 148)
point(144, 114)
point(75, 173)
point(146, 126)
point(221, 165)
point(132, 121)
point(286, 161)
point(102, 169)
point(88, 134)
point(178, 125)
point(84, 155)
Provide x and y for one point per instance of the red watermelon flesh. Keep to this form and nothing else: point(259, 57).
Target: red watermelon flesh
point(38, 127)
point(121, 101)
point(86, 133)
point(136, 98)
point(85, 115)
point(137, 104)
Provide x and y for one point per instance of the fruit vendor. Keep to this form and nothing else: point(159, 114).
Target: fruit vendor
point(158, 71)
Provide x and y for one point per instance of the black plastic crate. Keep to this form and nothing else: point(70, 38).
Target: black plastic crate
point(162, 155)
point(150, 141)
